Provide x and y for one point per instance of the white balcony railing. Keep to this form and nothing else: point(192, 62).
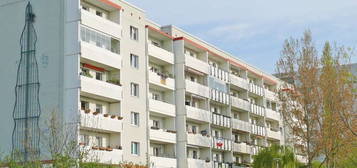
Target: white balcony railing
point(108, 123)
point(222, 144)
point(258, 110)
point(271, 114)
point(221, 120)
point(219, 74)
point(197, 163)
point(273, 134)
point(161, 54)
point(162, 135)
point(240, 103)
point(198, 114)
point(221, 165)
point(162, 81)
point(198, 140)
point(113, 156)
point(100, 89)
point(162, 162)
point(197, 64)
point(241, 125)
point(258, 130)
point(255, 149)
point(162, 107)
point(240, 82)
point(271, 95)
point(241, 148)
point(101, 24)
point(100, 55)
point(219, 96)
point(256, 89)
point(196, 88)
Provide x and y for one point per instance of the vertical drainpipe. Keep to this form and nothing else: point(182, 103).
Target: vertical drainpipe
point(147, 98)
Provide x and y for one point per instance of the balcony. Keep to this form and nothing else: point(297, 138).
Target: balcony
point(255, 150)
point(107, 123)
point(156, 161)
point(222, 144)
point(197, 163)
point(271, 95)
point(241, 125)
point(197, 89)
point(221, 165)
point(108, 156)
point(273, 134)
point(240, 103)
point(257, 110)
point(198, 140)
point(162, 107)
point(219, 96)
point(198, 114)
point(241, 148)
point(100, 55)
point(100, 90)
point(271, 114)
point(197, 64)
point(101, 24)
point(221, 120)
point(258, 130)
point(161, 80)
point(219, 74)
point(256, 89)
point(161, 135)
point(161, 54)
point(240, 82)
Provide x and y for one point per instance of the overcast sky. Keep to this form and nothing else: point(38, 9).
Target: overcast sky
point(254, 30)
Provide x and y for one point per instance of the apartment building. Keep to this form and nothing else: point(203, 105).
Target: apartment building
point(136, 91)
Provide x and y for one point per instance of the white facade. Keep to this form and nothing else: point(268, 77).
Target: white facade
point(140, 92)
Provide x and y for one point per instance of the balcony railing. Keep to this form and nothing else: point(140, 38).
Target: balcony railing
point(163, 135)
point(258, 110)
point(198, 163)
point(258, 130)
point(162, 107)
point(156, 161)
point(241, 148)
point(219, 96)
point(240, 82)
point(101, 24)
point(222, 165)
point(196, 88)
point(162, 80)
point(219, 74)
point(273, 134)
point(198, 114)
point(100, 55)
point(271, 95)
point(161, 54)
point(221, 120)
point(105, 156)
point(197, 64)
point(104, 122)
point(241, 125)
point(271, 114)
point(240, 103)
point(198, 140)
point(222, 143)
point(101, 89)
point(256, 89)
point(255, 149)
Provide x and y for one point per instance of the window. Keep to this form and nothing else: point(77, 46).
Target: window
point(99, 13)
point(84, 105)
point(155, 124)
point(134, 61)
point(156, 151)
point(99, 75)
point(134, 89)
point(135, 148)
point(194, 154)
point(98, 39)
point(99, 141)
point(135, 118)
point(134, 33)
point(99, 108)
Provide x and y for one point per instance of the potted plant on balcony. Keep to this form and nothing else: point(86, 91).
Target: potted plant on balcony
point(119, 147)
point(87, 111)
point(82, 144)
point(114, 81)
point(95, 113)
point(171, 131)
point(95, 147)
point(109, 148)
point(102, 148)
point(207, 160)
point(120, 117)
point(113, 116)
point(106, 115)
point(155, 128)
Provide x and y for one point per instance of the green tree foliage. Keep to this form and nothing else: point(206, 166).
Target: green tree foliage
point(276, 157)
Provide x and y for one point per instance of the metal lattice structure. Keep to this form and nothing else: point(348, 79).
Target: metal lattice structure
point(26, 114)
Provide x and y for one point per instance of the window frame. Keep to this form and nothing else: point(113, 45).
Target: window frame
point(135, 119)
point(135, 148)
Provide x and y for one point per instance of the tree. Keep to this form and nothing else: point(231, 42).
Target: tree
point(317, 98)
point(276, 157)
